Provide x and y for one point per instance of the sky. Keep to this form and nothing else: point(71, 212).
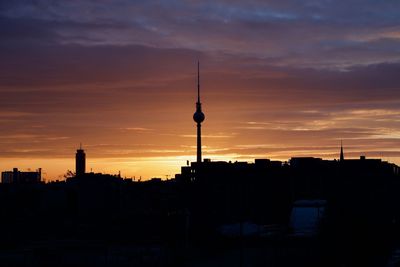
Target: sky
point(279, 79)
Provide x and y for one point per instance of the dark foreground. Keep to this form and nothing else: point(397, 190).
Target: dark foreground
point(310, 212)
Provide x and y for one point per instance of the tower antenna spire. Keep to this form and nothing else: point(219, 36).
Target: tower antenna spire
point(198, 81)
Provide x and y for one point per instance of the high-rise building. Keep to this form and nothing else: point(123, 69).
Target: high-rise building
point(198, 116)
point(80, 161)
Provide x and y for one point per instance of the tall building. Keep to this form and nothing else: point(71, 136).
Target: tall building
point(80, 161)
point(198, 116)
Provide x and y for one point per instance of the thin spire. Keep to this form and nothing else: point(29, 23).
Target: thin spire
point(341, 151)
point(198, 81)
point(80, 146)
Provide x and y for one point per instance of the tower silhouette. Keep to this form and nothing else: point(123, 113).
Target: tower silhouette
point(198, 116)
point(80, 161)
point(341, 151)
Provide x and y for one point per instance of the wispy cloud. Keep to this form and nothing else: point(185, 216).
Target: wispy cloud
point(138, 129)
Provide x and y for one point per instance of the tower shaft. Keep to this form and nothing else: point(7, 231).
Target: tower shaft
point(198, 142)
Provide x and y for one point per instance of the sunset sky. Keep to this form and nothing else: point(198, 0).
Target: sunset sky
point(279, 79)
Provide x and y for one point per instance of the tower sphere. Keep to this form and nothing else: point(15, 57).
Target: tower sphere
point(198, 116)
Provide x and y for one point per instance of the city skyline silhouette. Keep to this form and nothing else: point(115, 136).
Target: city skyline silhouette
point(278, 80)
point(198, 117)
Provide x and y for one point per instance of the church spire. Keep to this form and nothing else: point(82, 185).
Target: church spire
point(341, 151)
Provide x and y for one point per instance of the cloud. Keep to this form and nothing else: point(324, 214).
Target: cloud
point(327, 34)
point(277, 77)
point(139, 129)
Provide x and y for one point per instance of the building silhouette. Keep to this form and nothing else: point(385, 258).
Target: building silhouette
point(18, 177)
point(80, 161)
point(198, 116)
